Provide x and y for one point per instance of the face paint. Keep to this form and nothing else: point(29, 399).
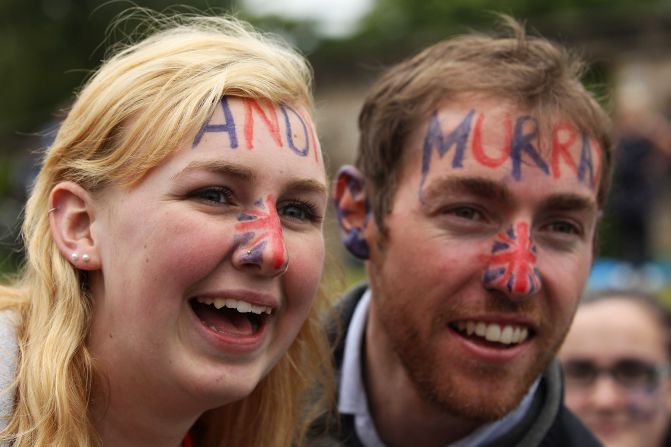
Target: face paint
point(435, 138)
point(518, 148)
point(227, 126)
point(356, 244)
point(523, 144)
point(478, 149)
point(270, 122)
point(644, 404)
point(290, 131)
point(262, 228)
point(512, 265)
point(563, 138)
point(259, 119)
point(349, 181)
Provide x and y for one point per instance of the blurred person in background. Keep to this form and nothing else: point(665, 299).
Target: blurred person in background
point(641, 160)
point(616, 366)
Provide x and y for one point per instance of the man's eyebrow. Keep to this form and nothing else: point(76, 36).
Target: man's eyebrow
point(477, 186)
point(220, 167)
point(569, 202)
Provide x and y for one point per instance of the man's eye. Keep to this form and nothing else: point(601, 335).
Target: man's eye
point(299, 210)
point(563, 227)
point(213, 194)
point(466, 212)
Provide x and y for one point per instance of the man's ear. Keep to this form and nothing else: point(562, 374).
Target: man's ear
point(351, 206)
point(71, 215)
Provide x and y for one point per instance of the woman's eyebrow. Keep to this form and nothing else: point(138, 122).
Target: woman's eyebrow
point(220, 167)
point(246, 174)
point(307, 185)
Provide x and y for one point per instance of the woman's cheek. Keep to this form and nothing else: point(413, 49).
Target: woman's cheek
point(306, 263)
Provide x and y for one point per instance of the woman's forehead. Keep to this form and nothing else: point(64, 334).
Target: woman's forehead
point(616, 327)
point(248, 122)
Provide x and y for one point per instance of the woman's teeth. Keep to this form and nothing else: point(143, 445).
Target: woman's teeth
point(240, 306)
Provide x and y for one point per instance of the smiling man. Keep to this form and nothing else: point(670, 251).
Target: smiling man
point(483, 164)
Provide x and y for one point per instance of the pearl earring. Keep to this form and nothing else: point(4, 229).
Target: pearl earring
point(74, 257)
point(86, 258)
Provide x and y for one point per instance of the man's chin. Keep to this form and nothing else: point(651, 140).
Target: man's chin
point(482, 400)
point(480, 408)
point(487, 412)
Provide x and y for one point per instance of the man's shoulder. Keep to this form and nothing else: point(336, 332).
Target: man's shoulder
point(338, 322)
point(337, 430)
point(567, 430)
point(347, 303)
point(548, 423)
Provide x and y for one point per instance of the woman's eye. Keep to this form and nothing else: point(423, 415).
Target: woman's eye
point(213, 194)
point(299, 210)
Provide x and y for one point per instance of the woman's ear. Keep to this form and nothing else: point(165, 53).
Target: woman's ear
point(351, 205)
point(71, 214)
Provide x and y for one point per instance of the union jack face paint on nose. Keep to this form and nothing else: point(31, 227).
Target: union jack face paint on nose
point(261, 227)
point(512, 264)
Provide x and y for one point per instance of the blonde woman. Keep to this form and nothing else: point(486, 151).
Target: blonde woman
point(174, 248)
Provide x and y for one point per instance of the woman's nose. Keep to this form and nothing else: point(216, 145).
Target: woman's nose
point(261, 240)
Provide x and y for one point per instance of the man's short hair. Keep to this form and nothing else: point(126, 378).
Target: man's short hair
point(539, 76)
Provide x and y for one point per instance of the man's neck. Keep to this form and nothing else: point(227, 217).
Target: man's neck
point(402, 416)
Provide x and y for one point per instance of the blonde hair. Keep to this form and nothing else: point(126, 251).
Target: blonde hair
point(137, 109)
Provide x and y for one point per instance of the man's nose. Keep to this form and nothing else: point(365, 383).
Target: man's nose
point(510, 267)
point(261, 240)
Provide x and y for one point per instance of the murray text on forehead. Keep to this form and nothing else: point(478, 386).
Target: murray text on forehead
point(519, 147)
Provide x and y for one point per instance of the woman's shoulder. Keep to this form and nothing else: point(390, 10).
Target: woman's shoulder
point(9, 319)
point(8, 352)
point(8, 345)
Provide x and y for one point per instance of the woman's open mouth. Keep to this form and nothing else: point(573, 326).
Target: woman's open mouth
point(231, 317)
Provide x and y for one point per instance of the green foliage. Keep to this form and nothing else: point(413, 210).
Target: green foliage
point(397, 28)
point(48, 48)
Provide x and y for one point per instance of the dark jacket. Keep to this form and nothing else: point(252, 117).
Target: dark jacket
point(548, 422)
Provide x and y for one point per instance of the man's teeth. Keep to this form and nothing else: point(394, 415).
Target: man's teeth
point(506, 335)
point(240, 306)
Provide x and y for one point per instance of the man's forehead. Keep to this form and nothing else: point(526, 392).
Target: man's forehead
point(501, 140)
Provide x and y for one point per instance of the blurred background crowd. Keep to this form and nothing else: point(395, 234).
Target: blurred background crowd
point(47, 49)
